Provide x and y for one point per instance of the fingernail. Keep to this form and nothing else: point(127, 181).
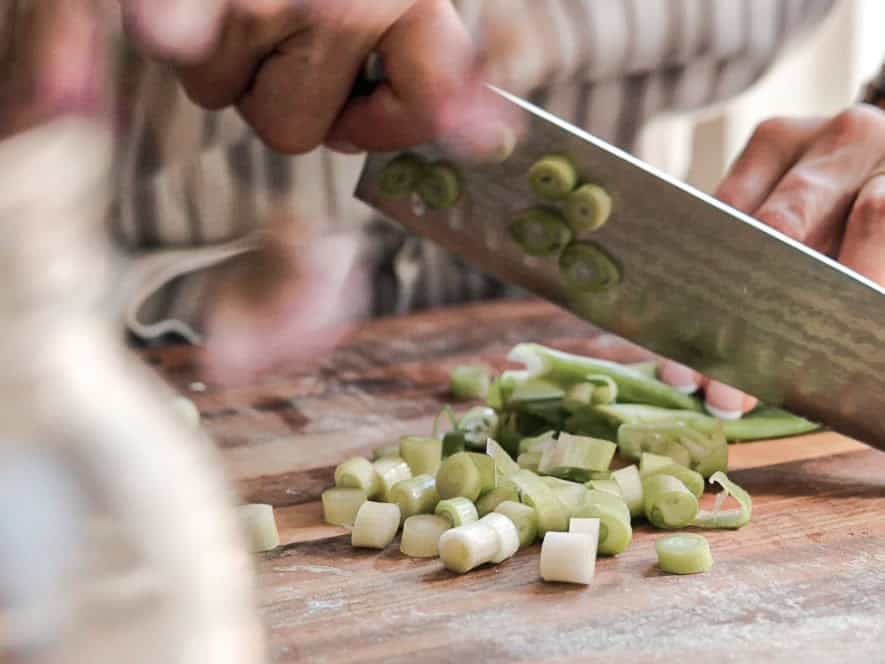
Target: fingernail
point(724, 402)
point(680, 377)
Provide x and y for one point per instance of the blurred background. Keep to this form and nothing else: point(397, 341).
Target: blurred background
point(821, 75)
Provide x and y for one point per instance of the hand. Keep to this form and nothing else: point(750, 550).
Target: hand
point(288, 303)
point(52, 59)
point(289, 67)
point(821, 182)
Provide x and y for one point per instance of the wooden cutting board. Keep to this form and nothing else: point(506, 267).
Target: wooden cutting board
point(805, 581)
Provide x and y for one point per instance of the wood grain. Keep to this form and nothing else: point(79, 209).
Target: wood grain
point(804, 581)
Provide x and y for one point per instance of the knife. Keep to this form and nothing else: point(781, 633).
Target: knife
point(696, 280)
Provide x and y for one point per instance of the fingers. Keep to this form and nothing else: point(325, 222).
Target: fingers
point(301, 87)
point(726, 402)
point(433, 86)
point(175, 30)
point(684, 379)
point(287, 304)
point(59, 56)
point(863, 248)
point(773, 149)
point(721, 401)
point(812, 201)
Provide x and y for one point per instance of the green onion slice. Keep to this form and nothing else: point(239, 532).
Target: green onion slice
point(540, 232)
point(401, 175)
point(553, 177)
point(586, 266)
point(729, 519)
point(684, 554)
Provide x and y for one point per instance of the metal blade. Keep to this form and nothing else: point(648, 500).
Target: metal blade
point(701, 283)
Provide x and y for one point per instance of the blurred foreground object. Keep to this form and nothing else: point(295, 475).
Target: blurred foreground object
point(121, 543)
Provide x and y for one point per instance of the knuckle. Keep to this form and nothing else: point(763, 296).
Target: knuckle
point(773, 129)
point(868, 219)
point(286, 137)
point(789, 218)
point(857, 122)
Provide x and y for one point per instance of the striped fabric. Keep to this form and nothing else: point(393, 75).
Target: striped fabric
point(195, 186)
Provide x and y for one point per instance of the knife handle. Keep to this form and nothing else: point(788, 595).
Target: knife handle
point(370, 77)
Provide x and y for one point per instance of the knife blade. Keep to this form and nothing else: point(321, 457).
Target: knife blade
point(699, 282)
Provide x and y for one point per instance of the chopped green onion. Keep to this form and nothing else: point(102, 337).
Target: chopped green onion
point(423, 455)
point(439, 186)
point(568, 557)
point(477, 425)
point(524, 518)
point(390, 470)
point(537, 443)
point(259, 526)
point(605, 389)
point(535, 390)
point(508, 536)
point(504, 463)
point(692, 480)
point(489, 501)
point(534, 493)
point(488, 472)
point(605, 485)
point(375, 525)
point(630, 484)
point(587, 267)
point(634, 440)
point(466, 547)
point(649, 463)
point(731, 519)
point(578, 396)
point(649, 368)
point(385, 452)
point(762, 426)
point(681, 441)
point(358, 473)
point(600, 475)
point(401, 175)
point(615, 529)
point(421, 533)
point(459, 511)
point(470, 382)
point(565, 370)
point(766, 424)
point(466, 474)
point(576, 456)
point(453, 442)
point(341, 505)
point(529, 461)
point(540, 232)
point(553, 177)
point(570, 494)
point(684, 554)
point(416, 495)
point(448, 412)
point(587, 208)
point(668, 503)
